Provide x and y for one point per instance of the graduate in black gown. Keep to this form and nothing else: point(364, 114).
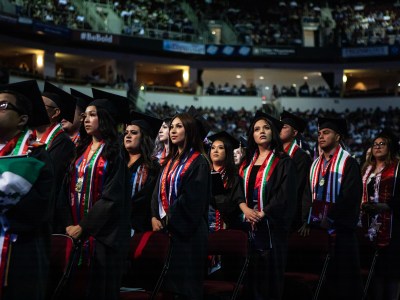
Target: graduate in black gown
point(143, 168)
point(269, 206)
point(292, 127)
point(97, 195)
point(226, 198)
point(25, 227)
point(59, 105)
point(180, 206)
point(336, 192)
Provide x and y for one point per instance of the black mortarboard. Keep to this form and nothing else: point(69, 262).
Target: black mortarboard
point(296, 122)
point(148, 123)
point(338, 125)
point(389, 135)
point(30, 90)
point(65, 101)
point(82, 100)
point(204, 126)
point(275, 122)
point(117, 105)
point(224, 137)
point(243, 142)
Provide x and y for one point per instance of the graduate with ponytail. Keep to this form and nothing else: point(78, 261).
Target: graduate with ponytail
point(180, 205)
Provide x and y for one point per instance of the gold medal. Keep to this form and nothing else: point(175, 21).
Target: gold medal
point(322, 182)
point(79, 184)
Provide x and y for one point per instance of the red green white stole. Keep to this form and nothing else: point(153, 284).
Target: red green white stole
point(292, 148)
point(87, 182)
point(262, 178)
point(75, 139)
point(330, 179)
point(51, 133)
point(171, 180)
point(16, 146)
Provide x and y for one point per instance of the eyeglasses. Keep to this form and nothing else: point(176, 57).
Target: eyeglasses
point(378, 145)
point(4, 105)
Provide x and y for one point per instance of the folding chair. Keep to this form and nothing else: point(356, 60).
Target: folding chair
point(149, 257)
point(308, 260)
point(63, 254)
point(232, 246)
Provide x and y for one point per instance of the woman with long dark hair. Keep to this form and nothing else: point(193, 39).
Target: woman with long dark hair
point(161, 148)
point(226, 198)
point(143, 167)
point(180, 206)
point(96, 193)
point(269, 205)
point(381, 213)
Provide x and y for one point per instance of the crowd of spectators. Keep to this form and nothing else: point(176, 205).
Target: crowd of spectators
point(285, 91)
point(363, 124)
point(366, 25)
point(56, 12)
point(156, 19)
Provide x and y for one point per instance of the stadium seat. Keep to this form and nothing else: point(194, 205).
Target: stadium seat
point(233, 248)
point(308, 260)
point(149, 257)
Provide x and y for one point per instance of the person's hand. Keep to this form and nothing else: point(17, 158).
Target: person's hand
point(304, 230)
point(74, 231)
point(261, 214)
point(251, 215)
point(156, 224)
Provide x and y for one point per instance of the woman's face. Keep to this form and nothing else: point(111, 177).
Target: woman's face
point(177, 132)
point(132, 137)
point(237, 156)
point(91, 121)
point(380, 149)
point(163, 132)
point(262, 133)
point(217, 152)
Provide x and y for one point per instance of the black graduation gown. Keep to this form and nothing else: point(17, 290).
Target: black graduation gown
point(108, 221)
point(266, 271)
point(30, 220)
point(344, 271)
point(141, 200)
point(188, 225)
point(62, 151)
point(302, 162)
point(228, 204)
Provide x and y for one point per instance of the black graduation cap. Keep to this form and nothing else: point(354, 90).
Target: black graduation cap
point(336, 124)
point(30, 90)
point(148, 123)
point(65, 101)
point(204, 126)
point(82, 100)
point(225, 137)
point(243, 142)
point(275, 122)
point(296, 122)
point(116, 105)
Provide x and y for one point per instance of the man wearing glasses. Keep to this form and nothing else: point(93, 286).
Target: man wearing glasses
point(24, 206)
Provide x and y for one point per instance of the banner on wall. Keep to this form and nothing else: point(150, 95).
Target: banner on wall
point(183, 47)
point(227, 50)
point(43, 28)
point(95, 37)
point(365, 51)
point(273, 51)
